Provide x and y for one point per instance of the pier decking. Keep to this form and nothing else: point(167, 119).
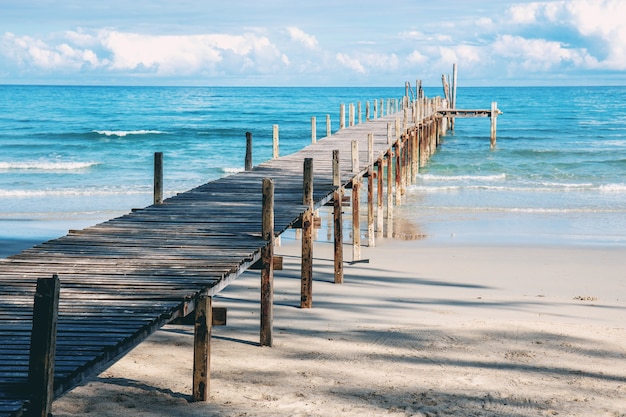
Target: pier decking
point(123, 279)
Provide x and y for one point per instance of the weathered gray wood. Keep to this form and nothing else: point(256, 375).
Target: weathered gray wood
point(494, 118)
point(313, 129)
point(202, 349)
point(370, 191)
point(43, 346)
point(275, 143)
point(356, 223)
point(379, 198)
point(158, 178)
point(267, 271)
point(342, 116)
point(248, 159)
point(306, 287)
point(355, 156)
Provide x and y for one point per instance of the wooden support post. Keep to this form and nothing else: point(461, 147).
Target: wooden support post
point(351, 115)
point(328, 126)
point(342, 116)
point(202, 348)
point(397, 128)
point(375, 109)
point(370, 191)
point(306, 290)
point(355, 156)
point(43, 346)
point(356, 221)
point(390, 184)
point(337, 219)
point(267, 263)
point(398, 173)
point(158, 178)
point(494, 117)
point(388, 133)
point(453, 104)
point(367, 111)
point(275, 150)
point(379, 197)
point(360, 111)
point(248, 166)
point(415, 156)
point(313, 129)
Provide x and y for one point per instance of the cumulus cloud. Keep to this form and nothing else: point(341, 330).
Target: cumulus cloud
point(538, 54)
point(352, 63)
point(157, 54)
point(598, 22)
point(298, 35)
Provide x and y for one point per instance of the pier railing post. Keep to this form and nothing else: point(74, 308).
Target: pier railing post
point(360, 112)
point(355, 156)
point(158, 178)
point(342, 116)
point(494, 117)
point(306, 290)
point(379, 198)
point(390, 193)
point(313, 129)
point(370, 191)
point(248, 161)
point(267, 263)
point(43, 346)
point(275, 150)
point(337, 218)
point(351, 115)
point(202, 348)
point(356, 223)
point(328, 126)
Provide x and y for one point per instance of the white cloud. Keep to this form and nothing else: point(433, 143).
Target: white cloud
point(352, 63)
point(538, 54)
point(300, 36)
point(600, 22)
point(417, 58)
point(158, 54)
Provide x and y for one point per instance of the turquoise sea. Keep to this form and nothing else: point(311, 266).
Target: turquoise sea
point(75, 156)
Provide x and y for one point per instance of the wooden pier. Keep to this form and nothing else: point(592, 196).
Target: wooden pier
point(106, 288)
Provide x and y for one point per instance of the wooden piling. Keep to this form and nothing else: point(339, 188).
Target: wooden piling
point(248, 161)
point(306, 290)
point(370, 191)
point(342, 116)
point(43, 346)
point(202, 348)
point(494, 117)
point(267, 263)
point(360, 111)
point(313, 129)
point(367, 111)
point(356, 221)
point(351, 115)
point(390, 193)
point(328, 126)
point(158, 178)
point(398, 147)
point(337, 219)
point(379, 198)
point(275, 150)
point(355, 156)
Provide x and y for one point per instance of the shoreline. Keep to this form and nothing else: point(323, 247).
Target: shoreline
point(419, 330)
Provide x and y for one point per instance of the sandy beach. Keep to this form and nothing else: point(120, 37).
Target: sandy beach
point(419, 329)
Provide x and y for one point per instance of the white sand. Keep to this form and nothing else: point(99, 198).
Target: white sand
point(420, 330)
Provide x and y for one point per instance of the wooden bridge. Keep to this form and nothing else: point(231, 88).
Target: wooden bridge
point(123, 279)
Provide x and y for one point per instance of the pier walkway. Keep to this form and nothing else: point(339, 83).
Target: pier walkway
point(123, 279)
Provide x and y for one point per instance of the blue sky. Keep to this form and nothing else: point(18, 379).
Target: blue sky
point(312, 43)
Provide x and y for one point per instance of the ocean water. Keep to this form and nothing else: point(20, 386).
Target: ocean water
point(75, 156)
